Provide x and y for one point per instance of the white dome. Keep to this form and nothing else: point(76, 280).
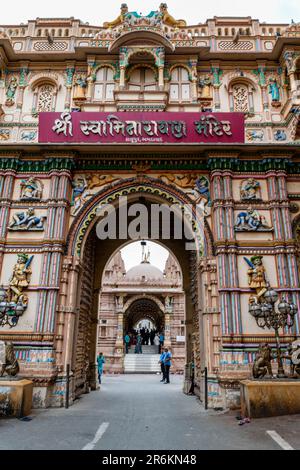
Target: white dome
point(146, 270)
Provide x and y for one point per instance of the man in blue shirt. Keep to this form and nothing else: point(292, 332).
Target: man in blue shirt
point(127, 342)
point(167, 363)
point(162, 365)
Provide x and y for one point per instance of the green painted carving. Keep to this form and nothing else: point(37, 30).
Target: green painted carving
point(23, 77)
point(260, 73)
point(69, 76)
point(216, 72)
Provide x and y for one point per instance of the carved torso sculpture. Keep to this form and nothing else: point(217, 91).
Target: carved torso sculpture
point(9, 363)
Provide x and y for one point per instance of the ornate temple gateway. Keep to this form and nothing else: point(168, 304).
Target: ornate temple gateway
point(152, 110)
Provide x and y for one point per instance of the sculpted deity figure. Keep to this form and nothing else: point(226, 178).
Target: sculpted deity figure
point(257, 275)
point(80, 87)
point(250, 189)
point(293, 351)
point(8, 361)
point(120, 19)
point(251, 221)
point(205, 84)
point(11, 91)
point(168, 19)
point(274, 89)
point(80, 194)
point(30, 189)
point(27, 221)
point(20, 279)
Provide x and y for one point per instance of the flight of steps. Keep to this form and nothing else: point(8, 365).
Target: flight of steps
point(146, 363)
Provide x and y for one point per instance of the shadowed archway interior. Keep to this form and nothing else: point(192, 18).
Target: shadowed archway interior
point(143, 309)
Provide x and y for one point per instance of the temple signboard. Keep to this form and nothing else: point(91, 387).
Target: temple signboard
point(141, 128)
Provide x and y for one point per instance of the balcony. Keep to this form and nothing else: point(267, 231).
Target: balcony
point(136, 100)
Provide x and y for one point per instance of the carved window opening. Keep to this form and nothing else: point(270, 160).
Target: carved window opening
point(104, 85)
point(142, 79)
point(45, 98)
point(241, 97)
point(180, 86)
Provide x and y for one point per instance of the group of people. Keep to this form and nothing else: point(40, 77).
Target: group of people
point(165, 361)
point(138, 338)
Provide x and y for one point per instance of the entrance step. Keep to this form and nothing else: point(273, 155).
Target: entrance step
point(145, 349)
point(141, 363)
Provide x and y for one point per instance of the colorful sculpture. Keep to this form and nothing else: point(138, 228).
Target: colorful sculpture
point(202, 187)
point(274, 89)
point(31, 190)
point(120, 19)
point(80, 86)
point(250, 190)
point(251, 221)
point(11, 91)
point(20, 279)
point(205, 84)
point(168, 19)
point(27, 221)
point(256, 277)
point(79, 195)
point(280, 135)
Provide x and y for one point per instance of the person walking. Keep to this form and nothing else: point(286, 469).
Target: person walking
point(162, 365)
point(100, 362)
point(167, 363)
point(127, 342)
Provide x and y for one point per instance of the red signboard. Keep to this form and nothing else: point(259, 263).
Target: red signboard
point(141, 128)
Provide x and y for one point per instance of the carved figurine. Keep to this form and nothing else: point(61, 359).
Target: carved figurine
point(20, 280)
point(80, 88)
point(202, 187)
point(183, 181)
point(96, 180)
point(9, 363)
point(205, 85)
point(27, 221)
point(256, 276)
point(250, 189)
point(254, 136)
point(251, 221)
point(168, 19)
point(293, 350)
point(31, 190)
point(80, 194)
point(120, 19)
point(11, 91)
point(280, 135)
point(262, 364)
point(274, 89)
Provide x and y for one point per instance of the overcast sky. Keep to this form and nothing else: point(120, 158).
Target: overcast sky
point(193, 11)
point(132, 255)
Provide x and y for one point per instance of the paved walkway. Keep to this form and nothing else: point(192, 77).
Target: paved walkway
point(139, 412)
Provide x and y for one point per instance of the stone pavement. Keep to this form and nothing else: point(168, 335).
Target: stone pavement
point(139, 412)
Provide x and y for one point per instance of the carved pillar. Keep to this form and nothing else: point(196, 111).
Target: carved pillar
point(122, 78)
point(161, 78)
point(216, 72)
point(69, 84)
point(90, 78)
point(286, 261)
point(22, 85)
point(6, 191)
point(167, 340)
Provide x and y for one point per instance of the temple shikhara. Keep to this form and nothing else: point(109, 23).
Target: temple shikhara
point(144, 110)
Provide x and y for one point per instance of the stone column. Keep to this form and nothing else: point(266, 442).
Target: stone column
point(122, 78)
point(167, 340)
point(161, 77)
point(70, 69)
